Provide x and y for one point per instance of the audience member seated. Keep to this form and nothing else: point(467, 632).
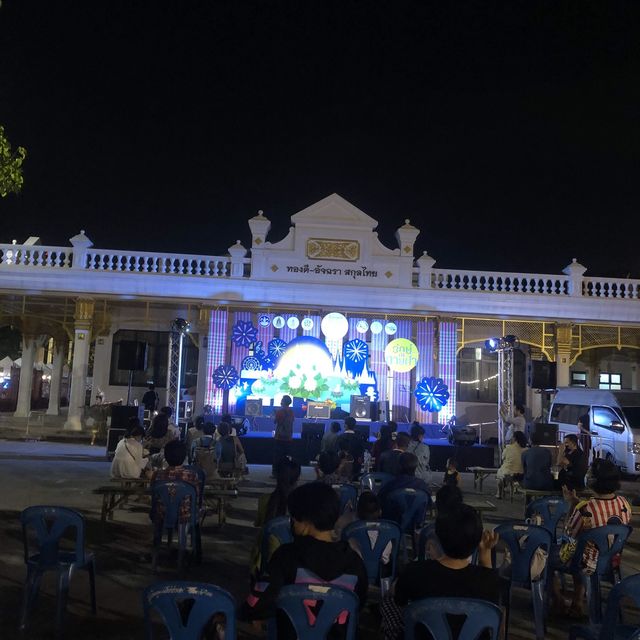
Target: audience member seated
point(329, 439)
point(130, 458)
point(168, 411)
point(451, 475)
point(448, 497)
point(158, 435)
point(273, 505)
point(174, 455)
point(382, 444)
point(313, 557)
point(420, 450)
point(406, 479)
point(351, 444)
point(511, 468)
point(536, 466)
point(229, 452)
point(226, 417)
point(606, 507)
point(574, 464)
point(195, 431)
point(331, 469)
point(390, 459)
point(452, 576)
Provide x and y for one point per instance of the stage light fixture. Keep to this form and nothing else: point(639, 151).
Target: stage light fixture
point(492, 344)
point(500, 344)
point(181, 325)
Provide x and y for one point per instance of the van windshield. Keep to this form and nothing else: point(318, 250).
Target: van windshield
point(632, 414)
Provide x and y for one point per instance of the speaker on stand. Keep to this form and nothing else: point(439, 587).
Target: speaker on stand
point(542, 374)
point(253, 407)
point(132, 356)
point(311, 436)
point(360, 407)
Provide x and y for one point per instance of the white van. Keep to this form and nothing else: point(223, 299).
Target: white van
point(614, 418)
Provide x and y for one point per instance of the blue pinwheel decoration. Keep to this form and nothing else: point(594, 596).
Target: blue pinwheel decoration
point(276, 348)
point(225, 377)
point(244, 334)
point(432, 394)
point(356, 350)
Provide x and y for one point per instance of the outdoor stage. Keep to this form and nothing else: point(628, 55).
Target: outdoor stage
point(258, 442)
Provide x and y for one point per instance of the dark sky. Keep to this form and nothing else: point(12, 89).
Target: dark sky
point(509, 135)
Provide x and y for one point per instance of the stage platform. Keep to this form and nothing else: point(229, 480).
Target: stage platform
point(258, 446)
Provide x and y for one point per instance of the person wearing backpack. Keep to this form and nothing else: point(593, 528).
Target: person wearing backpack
point(283, 433)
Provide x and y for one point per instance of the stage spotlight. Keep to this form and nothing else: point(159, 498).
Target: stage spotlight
point(492, 344)
point(181, 325)
point(511, 341)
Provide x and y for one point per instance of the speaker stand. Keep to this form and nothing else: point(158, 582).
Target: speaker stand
point(129, 388)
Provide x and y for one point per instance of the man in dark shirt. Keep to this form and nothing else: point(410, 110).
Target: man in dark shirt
point(536, 463)
point(283, 435)
point(311, 558)
point(573, 461)
point(452, 576)
point(150, 399)
point(390, 459)
point(351, 443)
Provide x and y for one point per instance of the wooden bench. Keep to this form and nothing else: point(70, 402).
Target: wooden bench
point(479, 475)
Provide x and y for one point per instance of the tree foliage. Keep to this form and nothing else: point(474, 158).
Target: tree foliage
point(10, 166)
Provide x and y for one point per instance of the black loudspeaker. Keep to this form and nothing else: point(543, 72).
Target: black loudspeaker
point(545, 434)
point(120, 415)
point(360, 407)
point(311, 435)
point(132, 355)
point(362, 431)
point(542, 374)
point(253, 407)
point(113, 437)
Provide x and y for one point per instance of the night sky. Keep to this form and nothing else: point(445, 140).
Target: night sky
point(509, 135)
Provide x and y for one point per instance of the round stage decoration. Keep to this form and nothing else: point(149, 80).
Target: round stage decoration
point(251, 363)
point(362, 326)
point(390, 328)
point(293, 322)
point(401, 355)
point(278, 322)
point(356, 350)
point(264, 320)
point(307, 324)
point(376, 327)
point(432, 394)
point(334, 326)
point(244, 334)
point(276, 348)
point(225, 377)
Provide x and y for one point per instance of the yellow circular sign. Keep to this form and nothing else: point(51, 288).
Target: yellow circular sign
point(401, 355)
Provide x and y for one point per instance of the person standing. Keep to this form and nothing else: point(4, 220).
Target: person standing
point(420, 450)
point(283, 434)
point(150, 400)
point(329, 439)
point(584, 435)
point(516, 422)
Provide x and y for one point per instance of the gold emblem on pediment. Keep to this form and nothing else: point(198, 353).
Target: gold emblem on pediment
point(274, 268)
point(323, 249)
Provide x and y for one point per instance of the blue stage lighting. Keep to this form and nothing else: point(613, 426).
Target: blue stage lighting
point(492, 344)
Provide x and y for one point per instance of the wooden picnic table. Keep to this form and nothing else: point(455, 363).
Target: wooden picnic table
point(479, 475)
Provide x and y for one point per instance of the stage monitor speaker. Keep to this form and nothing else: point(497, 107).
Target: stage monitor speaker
point(185, 410)
point(120, 415)
point(132, 355)
point(320, 410)
point(312, 430)
point(545, 434)
point(253, 407)
point(542, 374)
point(113, 437)
point(362, 431)
point(360, 407)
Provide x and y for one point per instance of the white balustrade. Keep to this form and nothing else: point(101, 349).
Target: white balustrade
point(617, 288)
point(14, 255)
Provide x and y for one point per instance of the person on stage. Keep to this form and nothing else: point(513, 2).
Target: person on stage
point(283, 433)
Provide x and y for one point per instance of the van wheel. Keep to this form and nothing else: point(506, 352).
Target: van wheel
point(609, 458)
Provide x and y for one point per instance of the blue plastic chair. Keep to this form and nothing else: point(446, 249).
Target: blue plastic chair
point(598, 536)
point(522, 541)
point(348, 497)
point(171, 494)
point(280, 528)
point(310, 623)
point(204, 442)
point(388, 532)
point(202, 478)
point(551, 510)
point(408, 507)
point(611, 626)
point(432, 613)
point(50, 524)
point(374, 481)
point(167, 598)
point(427, 532)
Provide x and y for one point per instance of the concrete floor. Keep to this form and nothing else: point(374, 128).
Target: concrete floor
point(65, 474)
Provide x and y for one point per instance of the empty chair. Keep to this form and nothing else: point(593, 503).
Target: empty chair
point(551, 510)
point(522, 541)
point(170, 517)
point(313, 609)
point(348, 497)
point(432, 613)
point(50, 524)
point(612, 625)
point(609, 541)
point(275, 532)
point(374, 481)
point(372, 538)
point(170, 600)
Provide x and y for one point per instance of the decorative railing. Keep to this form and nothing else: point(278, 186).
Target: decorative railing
point(35, 256)
point(171, 263)
point(610, 288)
point(495, 282)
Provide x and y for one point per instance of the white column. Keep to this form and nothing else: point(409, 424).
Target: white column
point(563, 379)
point(79, 368)
point(29, 347)
point(56, 379)
point(101, 367)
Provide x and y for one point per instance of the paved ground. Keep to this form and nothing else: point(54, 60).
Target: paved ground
point(65, 474)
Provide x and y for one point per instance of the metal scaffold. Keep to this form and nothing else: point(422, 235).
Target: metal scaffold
point(179, 328)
